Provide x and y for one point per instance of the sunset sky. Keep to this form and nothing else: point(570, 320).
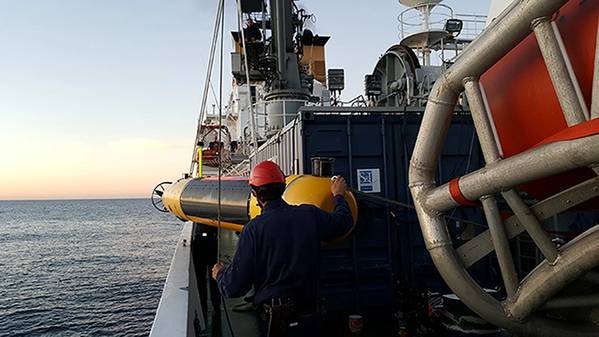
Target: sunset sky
point(99, 99)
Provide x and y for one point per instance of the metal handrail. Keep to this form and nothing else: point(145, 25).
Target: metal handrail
point(435, 19)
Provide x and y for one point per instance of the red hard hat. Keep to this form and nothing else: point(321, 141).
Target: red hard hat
point(266, 173)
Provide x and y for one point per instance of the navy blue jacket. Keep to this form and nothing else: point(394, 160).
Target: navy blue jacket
point(279, 251)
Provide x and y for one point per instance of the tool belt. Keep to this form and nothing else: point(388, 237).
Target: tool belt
point(282, 315)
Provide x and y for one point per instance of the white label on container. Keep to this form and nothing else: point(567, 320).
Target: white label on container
point(369, 180)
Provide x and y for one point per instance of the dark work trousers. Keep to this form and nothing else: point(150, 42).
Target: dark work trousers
point(204, 251)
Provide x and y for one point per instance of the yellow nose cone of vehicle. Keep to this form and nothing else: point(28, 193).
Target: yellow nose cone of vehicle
point(310, 190)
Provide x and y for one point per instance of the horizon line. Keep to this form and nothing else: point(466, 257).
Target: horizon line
point(78, 198)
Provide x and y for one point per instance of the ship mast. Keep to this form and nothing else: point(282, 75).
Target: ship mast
point(286, 94)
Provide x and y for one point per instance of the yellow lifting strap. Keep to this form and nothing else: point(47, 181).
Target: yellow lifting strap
point(200, 169)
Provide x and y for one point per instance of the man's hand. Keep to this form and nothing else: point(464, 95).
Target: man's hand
point(339, 186)
point(216, 269)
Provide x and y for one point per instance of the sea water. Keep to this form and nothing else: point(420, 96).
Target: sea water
point(82, 268)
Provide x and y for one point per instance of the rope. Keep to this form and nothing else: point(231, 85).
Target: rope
point(217, 24)
point(247, 78)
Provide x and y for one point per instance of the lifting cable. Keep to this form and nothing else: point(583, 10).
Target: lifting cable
point(220, 153)
point(220, 130)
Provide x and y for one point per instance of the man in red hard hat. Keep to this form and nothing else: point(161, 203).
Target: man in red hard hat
point(278, 254)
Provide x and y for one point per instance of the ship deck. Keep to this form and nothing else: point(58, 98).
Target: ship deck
point(242, 323)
